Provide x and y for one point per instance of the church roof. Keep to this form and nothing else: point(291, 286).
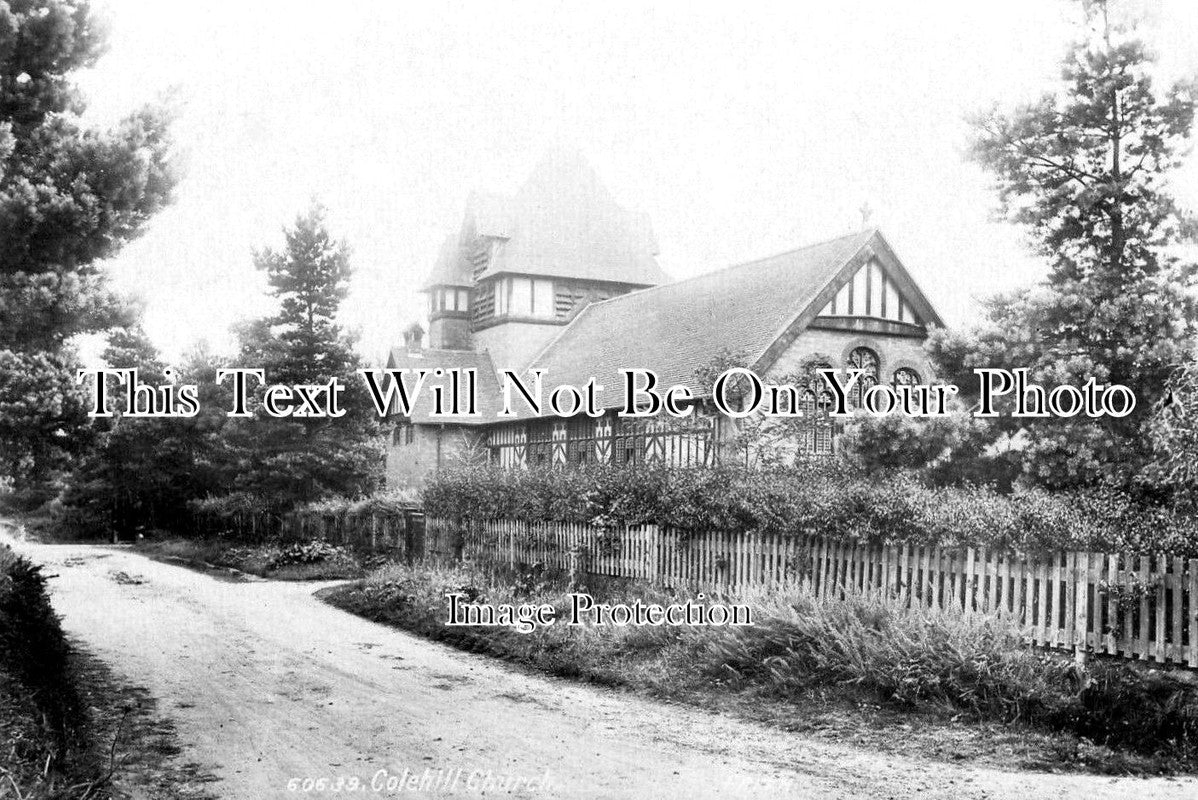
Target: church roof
point(488, 395)
point(562, 223)
point(754, 309)
point(678, 328)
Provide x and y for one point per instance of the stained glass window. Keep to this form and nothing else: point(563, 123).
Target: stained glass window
point(864, 359)
point(540, 442)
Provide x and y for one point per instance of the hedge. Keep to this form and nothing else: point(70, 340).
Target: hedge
point(228, 506)
point(829, 499)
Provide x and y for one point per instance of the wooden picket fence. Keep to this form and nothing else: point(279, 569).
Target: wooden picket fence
point(1137, 607)
point(399, 532)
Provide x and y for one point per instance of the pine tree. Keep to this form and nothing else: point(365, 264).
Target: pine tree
point(1084, 170)
point(70, 197)
point(292, 460)
point(309, 277)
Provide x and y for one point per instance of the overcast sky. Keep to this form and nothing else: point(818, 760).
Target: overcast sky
point(741, 129)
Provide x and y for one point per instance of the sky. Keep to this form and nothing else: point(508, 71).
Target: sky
point(742, 130)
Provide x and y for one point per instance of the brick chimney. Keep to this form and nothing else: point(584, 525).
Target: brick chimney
point(413, 338)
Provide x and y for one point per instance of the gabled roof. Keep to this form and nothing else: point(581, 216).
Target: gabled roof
point(678, 328)
point(488, 395)
point(562, 223)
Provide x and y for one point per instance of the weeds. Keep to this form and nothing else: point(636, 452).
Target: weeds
point(864, 646)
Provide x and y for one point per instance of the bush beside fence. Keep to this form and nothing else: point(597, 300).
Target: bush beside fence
point(825, 498)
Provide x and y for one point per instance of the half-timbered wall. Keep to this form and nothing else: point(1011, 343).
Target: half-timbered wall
point(699, 440)
point(604, 440)
point(871, 293)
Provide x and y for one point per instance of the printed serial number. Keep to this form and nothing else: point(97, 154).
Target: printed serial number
point(345, 783)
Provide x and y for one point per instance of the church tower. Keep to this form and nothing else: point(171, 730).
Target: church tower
point(522, 267)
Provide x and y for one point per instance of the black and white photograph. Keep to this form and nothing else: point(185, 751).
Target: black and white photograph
point(520, 399)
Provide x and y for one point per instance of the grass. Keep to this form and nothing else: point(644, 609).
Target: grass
point(863, 664)
point(310, 561)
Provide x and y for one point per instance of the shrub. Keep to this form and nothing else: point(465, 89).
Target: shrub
point(1149, 710)
point(33, 650)
point(828, 498)
point(912, 656)
point(226, 506)
point(386, 503)
point(951, 450)
point(307, 553)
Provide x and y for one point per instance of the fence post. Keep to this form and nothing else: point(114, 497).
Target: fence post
point(1176, 654)
point(971, 581)
point(1073, 571)
point(1162, 567)
point(1191, 612)
point(1081, 622)
point(577, 568)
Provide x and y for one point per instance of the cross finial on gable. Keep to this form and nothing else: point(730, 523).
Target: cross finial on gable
point(866, 213)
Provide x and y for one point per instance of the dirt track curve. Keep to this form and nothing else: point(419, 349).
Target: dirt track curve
point(266, 684)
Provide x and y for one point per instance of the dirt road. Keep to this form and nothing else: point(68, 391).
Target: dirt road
point(267, 684)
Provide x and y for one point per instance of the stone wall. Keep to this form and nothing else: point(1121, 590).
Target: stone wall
point(432, 447)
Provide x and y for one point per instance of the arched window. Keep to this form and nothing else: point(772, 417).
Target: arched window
point(816, 434)
point(540, 442)
point(824, 424)
point(808, 401)
point(905, 376)
point(580, 439)
point(864, 359)
point(628, 436)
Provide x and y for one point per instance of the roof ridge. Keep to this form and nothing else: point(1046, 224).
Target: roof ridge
point(426, 351)
point(870, 230)
point(639, 292)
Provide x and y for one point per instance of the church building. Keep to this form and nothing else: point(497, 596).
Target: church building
point(560, 278)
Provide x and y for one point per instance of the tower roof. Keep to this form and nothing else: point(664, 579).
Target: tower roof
point(562, 223)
